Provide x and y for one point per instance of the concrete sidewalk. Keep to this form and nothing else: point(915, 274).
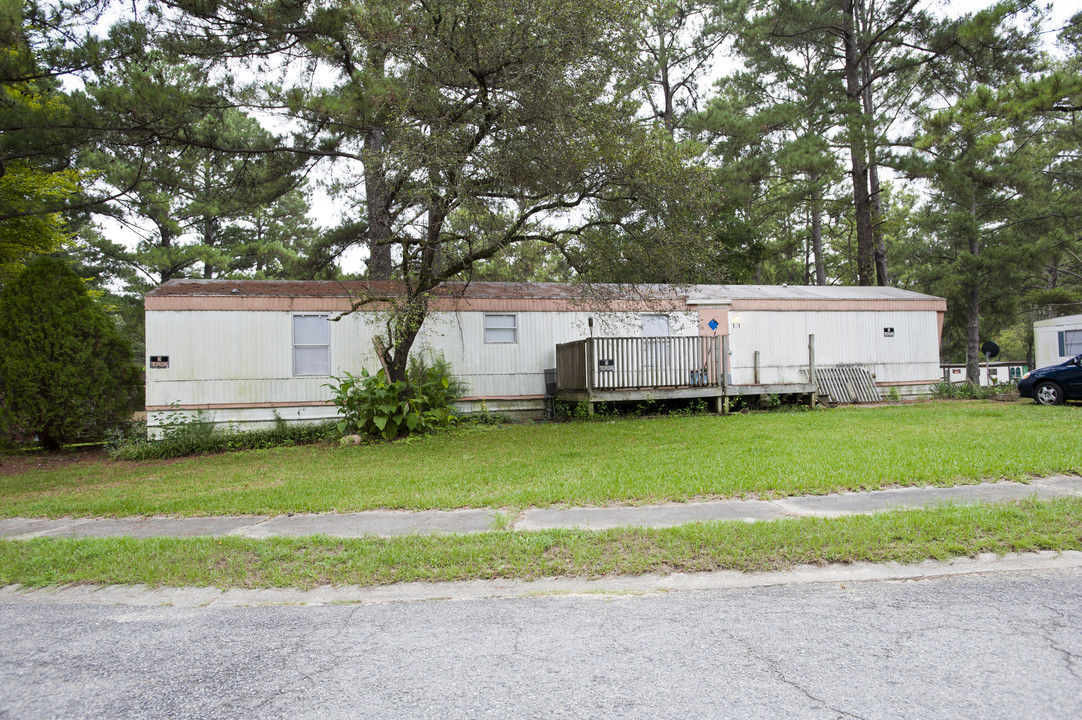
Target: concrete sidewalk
point(390, 523)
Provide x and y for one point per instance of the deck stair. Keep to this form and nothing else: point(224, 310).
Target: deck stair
point(847, 385)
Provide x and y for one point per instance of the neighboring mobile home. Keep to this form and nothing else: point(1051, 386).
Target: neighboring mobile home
point(1056, 340)
point(246, 351)
point(991, 373)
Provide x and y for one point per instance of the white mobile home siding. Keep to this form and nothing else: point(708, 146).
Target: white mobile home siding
point(1052, 339)
point(237, 366)
point(230, 343)
point(841, 338)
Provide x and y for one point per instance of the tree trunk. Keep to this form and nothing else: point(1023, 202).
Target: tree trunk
point(670, 112)
point(881, 272)
point(817, 231)
point(431, 257)
point(973, 308)
point(375, 190)
point(208, 240)
point(210, 222)
point(403, 327)
point(376, 193)
point(809, 261)
point(868, 104)
point(858, 151)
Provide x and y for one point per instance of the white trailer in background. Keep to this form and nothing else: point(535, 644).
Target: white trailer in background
point(991, 373)
point(246, 351)
point(1056, 340)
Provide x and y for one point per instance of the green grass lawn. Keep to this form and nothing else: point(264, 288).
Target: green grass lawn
point(908, 536)
point(585, 463)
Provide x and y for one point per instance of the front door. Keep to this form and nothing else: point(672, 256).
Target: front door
point(655, 343)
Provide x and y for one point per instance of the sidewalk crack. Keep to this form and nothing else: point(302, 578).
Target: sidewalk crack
point(242, 530)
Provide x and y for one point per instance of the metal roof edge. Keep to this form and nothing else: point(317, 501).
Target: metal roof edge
point(1062, 320)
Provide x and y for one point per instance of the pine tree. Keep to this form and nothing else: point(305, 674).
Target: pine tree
point(517, 113)
point(65, 370)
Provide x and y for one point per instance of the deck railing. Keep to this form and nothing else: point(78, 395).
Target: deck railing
point(625, 363)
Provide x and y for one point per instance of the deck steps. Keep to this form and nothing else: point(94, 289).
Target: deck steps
point(847, 384)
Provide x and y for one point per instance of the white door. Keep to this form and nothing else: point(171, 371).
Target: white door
point(655, 344)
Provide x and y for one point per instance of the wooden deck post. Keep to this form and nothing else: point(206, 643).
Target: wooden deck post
point(591, 352)
point(811, 370)
point(715, 352)
point(724, 374)
point(756, 367)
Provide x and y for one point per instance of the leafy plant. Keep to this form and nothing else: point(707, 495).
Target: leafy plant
point(125, 434)
point(484, 416)
point(697, 406)
point(425, 369)
point(944, 390)
point(373, 405)
point(177, 424)
point(648, 407)
point(965, 391)
point(893, 395)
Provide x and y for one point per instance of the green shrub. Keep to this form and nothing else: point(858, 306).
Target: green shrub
point(65, 370)
point(605, 411)
point(200, 436)
point(963, 391)
point(974, 392)
point(484, 416)
point(430, 372)
point(131, 433)
point(944, 390)
point(691, 408)
point(373, 405)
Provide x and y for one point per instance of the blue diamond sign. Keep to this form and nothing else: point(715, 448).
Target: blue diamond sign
point(713, 324)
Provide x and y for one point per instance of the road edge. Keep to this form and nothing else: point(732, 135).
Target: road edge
point(604, 587)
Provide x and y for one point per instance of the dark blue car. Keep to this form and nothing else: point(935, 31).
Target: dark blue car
point(1054, 384)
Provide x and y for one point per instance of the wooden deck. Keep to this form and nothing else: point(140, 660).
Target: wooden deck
point(630, 369)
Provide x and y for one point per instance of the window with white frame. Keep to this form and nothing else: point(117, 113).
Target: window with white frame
point(501, 328)
point(311, 345)
point(1070, 343)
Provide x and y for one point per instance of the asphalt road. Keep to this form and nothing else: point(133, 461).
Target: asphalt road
point(1004, 645)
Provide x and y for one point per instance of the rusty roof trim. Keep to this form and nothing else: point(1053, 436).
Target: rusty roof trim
point(692, 294)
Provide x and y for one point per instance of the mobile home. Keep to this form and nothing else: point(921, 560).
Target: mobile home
point(1057, 340)
point(246, 351)
point(991, 373)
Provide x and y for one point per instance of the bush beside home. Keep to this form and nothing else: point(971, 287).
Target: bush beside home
point(66, 372)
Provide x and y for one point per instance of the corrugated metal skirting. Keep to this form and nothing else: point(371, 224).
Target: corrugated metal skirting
point(846, 384)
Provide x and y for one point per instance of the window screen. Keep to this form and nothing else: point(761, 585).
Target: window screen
point(501, 328)
point(1070, 343)
point(311, 345)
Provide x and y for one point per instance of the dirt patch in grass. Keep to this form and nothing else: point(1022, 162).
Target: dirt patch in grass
point(27, 461)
